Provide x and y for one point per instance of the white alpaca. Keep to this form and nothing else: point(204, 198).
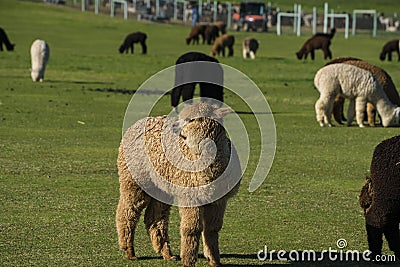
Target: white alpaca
point(360, 87)
point(40, 54)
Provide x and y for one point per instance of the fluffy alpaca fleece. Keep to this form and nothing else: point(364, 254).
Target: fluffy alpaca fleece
point(4, 40)
point(226, 40)
point(142, 160)
point(212, 90)
point(133, 38)
point(249, 47)
point(380, 197)
point(40, 53)
point(383, 78)
point(211, 33)
point(388, 48)
point(359, 86)
point(318, 41)
point(195, 32)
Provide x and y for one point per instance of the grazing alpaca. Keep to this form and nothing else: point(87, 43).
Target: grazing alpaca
point(249, 47)
point(388, 48)
point(318, 41)
point(40, 54)
point(211, 33)
point(195, 32)
point(221, 26)
point(133, 38)
point(221, 42)
point(166, 156)
point(183, 87)
point(380, 198)
point(360, 87)
point(383, 78)
point(4, 40)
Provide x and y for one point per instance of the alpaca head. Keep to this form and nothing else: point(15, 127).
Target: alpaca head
point(121, 49)
point(188, 40)
point(382, 56)
point(299, 55)
point(200, 126)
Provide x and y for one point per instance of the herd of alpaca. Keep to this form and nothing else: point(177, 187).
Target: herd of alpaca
point(154, 147)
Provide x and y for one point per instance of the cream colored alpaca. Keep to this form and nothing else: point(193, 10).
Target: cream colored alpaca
point(147, 165)
point(360, 87)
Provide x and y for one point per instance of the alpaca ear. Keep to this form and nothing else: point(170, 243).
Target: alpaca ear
point(222, 112)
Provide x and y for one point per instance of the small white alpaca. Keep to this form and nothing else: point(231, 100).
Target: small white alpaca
point(360, 87)
point(40, 54)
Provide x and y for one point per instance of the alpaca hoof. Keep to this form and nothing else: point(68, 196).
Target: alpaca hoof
point(130, 255)
point(321, 124)
point(170, 258)
point(215, 264)
point(361, 125)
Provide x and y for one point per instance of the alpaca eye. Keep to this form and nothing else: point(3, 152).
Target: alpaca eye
point(182, 136)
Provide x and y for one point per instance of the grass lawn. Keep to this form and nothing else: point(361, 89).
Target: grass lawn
point(59, 140)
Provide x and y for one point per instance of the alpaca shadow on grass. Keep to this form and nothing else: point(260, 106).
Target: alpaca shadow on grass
point(128, 91)
point(76, 82)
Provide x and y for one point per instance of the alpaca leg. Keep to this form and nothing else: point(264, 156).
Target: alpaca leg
point(338, 109)
point(190, 229)
point(212, 223)
point(128, 213)
point(244, 53)
point(144, 48)
point(132, 49)
point(361, 102)
point(312, 52)
point(390, 56)
point(374, 240)
point(252, 55)
point(223, 51)
point(371, 112)
point(156, 218)
point(350, 112)
point(391, 232)
point(323, 110)
point(230, 49)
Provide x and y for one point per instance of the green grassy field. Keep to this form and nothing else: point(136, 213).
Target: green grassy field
point(59, 140)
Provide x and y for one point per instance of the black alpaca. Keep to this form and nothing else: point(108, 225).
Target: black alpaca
point(4, 40)
point(380, 198)
point(318, 41)
point(388, 48)
point(186, 74)
point(130, 39)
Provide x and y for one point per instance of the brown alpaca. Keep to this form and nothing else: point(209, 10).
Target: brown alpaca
point(318, 41)
point(211, 33)
point(221, 26)
point(166, 157)
point(383, 78)
point(195, 32)
point(388, 48)
point(226, 40)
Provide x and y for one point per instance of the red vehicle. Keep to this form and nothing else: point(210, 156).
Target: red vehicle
point(251, 16)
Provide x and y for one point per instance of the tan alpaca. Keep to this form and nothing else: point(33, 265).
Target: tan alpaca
point(145, 159)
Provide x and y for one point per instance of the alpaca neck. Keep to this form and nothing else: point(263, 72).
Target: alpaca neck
point(386, 109)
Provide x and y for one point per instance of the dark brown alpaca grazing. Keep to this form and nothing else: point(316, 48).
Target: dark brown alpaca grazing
point(388, 48)
point(211, 33)
point(318, 41)
point(195, 32)
point(135, 37)
point(4, 40)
